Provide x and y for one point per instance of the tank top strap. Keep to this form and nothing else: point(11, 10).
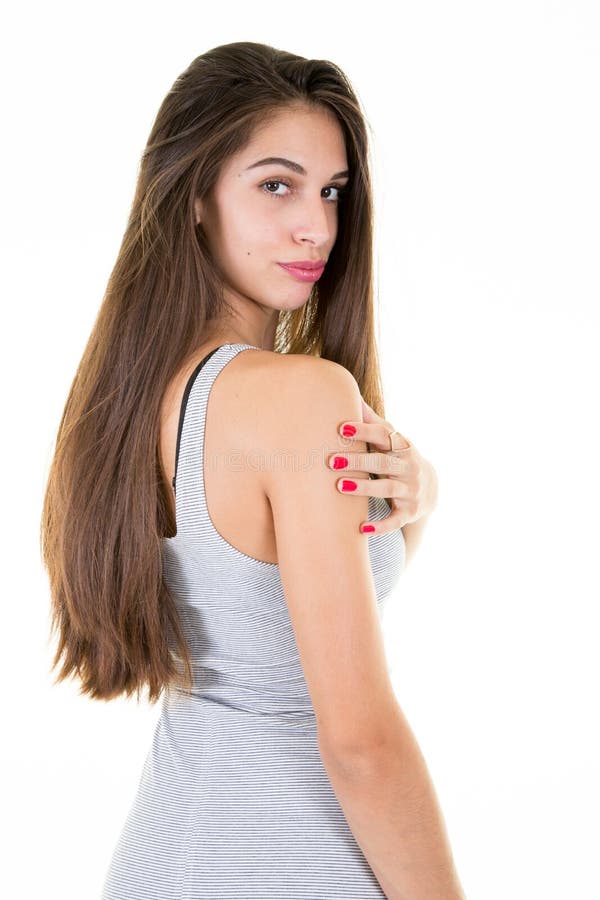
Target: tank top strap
point(188, 482)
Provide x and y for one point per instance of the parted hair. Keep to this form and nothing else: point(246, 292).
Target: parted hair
point(106, 507)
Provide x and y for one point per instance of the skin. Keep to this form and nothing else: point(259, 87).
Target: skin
point(252, 221)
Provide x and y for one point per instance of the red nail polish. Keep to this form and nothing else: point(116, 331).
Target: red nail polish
point(348, 430)
point(340, 462)
point(348, 485)
point(367, 528)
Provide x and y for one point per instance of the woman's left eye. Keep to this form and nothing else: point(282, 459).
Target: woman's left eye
point(335, 187)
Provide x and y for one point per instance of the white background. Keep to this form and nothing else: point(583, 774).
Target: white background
point(486, 143)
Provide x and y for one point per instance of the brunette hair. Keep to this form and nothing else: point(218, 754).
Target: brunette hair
point(106, 507)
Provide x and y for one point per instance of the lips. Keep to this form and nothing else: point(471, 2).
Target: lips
point(303, 274)
point(305, 263)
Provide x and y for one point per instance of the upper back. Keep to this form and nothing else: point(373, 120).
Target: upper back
point(234, 494)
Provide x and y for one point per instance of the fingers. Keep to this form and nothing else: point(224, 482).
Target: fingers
point(404, 509)
point(375, 433)
point(387, 459)
point(372, 433)
point(377, 463)
point(373, 487)
point(396, 519)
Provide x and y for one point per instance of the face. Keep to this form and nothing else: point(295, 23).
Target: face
point(258, 216)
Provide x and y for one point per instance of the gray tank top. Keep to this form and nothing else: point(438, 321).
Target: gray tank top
point(234, 800)
point(233, 604)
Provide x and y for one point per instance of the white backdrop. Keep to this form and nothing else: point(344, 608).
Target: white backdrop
point(485, 126)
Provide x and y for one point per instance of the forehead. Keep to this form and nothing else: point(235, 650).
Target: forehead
point(311, 137)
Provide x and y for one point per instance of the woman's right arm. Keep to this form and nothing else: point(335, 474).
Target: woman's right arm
point(373, 761)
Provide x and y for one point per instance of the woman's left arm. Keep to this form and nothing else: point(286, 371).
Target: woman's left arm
point(405, 478)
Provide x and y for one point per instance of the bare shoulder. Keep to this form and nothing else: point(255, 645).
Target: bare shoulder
point(293, 384)
point(291, 408)
point(295, 362)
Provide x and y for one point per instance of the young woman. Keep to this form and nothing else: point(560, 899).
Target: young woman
point(195, 529)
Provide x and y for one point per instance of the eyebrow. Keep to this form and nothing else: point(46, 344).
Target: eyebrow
point(296, 167)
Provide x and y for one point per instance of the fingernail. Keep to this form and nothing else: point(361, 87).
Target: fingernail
point(348, 430)
point(367, 528)
point(340, 462)
point(348, 485)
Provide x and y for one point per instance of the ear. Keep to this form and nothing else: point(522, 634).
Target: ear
point(198, 210)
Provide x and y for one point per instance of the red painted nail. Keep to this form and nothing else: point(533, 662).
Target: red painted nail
point(348, 430)
point(367, 528)
point(340, 462)
point(348, 485)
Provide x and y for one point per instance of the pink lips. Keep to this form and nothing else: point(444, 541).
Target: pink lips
point(304, 274)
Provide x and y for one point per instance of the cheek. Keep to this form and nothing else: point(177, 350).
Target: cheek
point(269, 233)
point(253, 233)
point(257, 238)
point(236, 234)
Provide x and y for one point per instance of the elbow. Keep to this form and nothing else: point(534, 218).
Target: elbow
point(365, 757)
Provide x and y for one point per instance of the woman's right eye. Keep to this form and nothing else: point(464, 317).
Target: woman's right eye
point(272, 193)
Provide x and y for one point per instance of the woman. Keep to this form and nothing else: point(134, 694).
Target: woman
point(185, 558)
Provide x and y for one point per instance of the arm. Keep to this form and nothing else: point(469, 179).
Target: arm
point(372, 759)
point(390, 804)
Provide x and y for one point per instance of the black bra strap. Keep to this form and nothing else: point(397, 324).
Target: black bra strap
point(184, 401)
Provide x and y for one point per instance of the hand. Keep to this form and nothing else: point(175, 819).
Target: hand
point(402, 475)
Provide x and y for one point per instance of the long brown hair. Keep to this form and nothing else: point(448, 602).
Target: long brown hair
point(106, 506)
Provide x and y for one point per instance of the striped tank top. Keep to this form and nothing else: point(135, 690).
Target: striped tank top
point(233, 799)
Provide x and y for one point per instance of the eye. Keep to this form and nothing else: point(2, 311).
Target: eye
point(266, 185)
point(340, 191)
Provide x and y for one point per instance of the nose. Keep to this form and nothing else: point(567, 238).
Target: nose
point(313, 220)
